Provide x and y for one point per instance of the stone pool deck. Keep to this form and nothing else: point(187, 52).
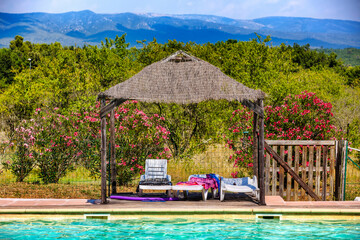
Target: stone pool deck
point(274, 205)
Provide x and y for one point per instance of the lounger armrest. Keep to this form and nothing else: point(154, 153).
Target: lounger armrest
point(254, 181)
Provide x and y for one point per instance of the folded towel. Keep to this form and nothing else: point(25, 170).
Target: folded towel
point(208, 182)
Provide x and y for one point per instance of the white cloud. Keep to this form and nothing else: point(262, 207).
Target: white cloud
point(272, 1)
point(292, 7)
point(189, 4)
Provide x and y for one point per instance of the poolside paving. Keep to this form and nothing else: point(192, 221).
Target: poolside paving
point(236, 207)
point(188, 205)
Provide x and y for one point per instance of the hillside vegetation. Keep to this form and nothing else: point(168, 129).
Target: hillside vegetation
point(350, 56)
point(69, 78)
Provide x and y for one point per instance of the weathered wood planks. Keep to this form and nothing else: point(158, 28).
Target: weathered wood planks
point(314, 163)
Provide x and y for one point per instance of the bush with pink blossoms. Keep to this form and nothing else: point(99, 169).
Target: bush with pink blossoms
point(45, 142)
point(300, 117)
point(137, 137)
point(56, 143)
point(57, 148)
point(22, 144)
point(240, 140)
point(86, 125)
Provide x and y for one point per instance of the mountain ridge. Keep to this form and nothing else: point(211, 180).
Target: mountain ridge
point(87, 27)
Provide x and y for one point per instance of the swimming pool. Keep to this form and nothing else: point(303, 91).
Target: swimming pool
point(178, 228)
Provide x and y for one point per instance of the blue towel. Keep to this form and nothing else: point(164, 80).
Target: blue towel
point(212, 175)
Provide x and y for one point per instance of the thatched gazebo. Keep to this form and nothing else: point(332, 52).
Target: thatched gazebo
point(181, 78)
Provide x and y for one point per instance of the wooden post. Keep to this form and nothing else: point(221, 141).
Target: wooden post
point(338, 163)
point(281, 173)
point(112, 152)
point(274, 175)
point(103, 155)
point(325, 153)
point(261, 156)
point(311, 168)
point(332, 171)
point(296, 170)
point(255, 145)
point(303, 168)
point(343, 169)
point(267, 174)
point(318, 177)
point(288, 176)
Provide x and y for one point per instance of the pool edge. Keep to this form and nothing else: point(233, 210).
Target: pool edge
point(286, 212)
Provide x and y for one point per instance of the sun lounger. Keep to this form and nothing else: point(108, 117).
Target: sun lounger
point(155, 177)
point(239, 185)
point(197, 182)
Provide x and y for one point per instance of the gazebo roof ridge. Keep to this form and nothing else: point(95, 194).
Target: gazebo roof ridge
point(181, 56)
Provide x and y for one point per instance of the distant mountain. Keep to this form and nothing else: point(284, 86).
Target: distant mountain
point(86, 27)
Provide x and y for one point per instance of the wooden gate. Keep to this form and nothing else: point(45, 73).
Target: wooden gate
point(315, 162)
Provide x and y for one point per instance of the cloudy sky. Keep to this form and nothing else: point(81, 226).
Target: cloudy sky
point(239, 9)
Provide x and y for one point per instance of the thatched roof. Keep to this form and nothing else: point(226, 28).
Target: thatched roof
point(181, 78)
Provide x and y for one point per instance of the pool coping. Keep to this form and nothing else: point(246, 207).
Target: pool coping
point(275, 205)
point(173, 211)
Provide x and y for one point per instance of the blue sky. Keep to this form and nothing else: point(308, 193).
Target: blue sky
point(238, 9)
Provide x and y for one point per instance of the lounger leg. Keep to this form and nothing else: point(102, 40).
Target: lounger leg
point(186, 194)
point(204, 194)
point(222, 194)
point(214, 192)
point(140, 192)
point(257, 195)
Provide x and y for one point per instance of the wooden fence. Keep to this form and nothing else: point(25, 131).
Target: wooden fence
point(315, 162)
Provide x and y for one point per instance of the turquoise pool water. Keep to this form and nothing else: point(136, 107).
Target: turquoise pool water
point(178, 228)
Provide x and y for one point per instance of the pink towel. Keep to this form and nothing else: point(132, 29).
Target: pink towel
point(205, 182)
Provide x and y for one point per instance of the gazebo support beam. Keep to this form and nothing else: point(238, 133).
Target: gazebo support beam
point(254, 107)
point(113, 104)
point(255, 145)
point(112, 151)
point(103, 154)
point(261, 162)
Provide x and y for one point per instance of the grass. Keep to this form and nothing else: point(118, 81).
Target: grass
point(79, 175)
point(76, 184)
point(63, 191)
